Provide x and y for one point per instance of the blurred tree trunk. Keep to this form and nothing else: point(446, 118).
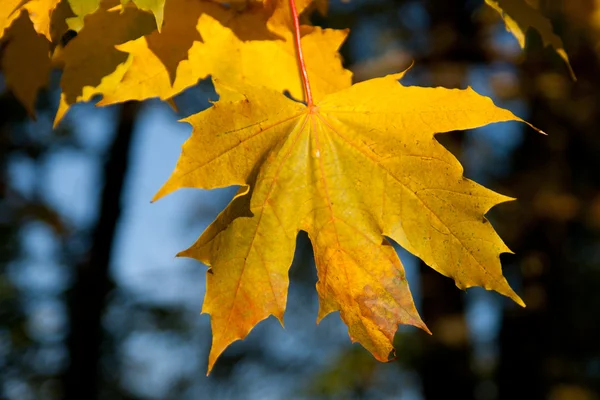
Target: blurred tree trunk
point(548, 349)
point(444, 362)
point(444, 366)
point(87, 298)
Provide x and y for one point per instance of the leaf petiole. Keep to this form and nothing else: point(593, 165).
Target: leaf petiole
point(302, 65)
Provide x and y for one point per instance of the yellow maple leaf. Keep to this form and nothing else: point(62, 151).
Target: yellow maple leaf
point(154, 6)
point(359, 166)
point(90, 62)
point(281, 13)
point(519, 16)
point(280, 8)
point(81, 8)
point(199, 39)
point(26, 62)
point(9, 11)
point(40, 12)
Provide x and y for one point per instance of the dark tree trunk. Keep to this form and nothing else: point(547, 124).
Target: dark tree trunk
point(87, 298)
point(548, 349)
point(444, 365)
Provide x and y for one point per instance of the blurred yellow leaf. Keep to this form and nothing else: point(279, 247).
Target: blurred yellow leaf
point(281, 15)
point(519, 16)
point(91, 63)
point(359, 166)
point(40, 12)
point(154, 6)
point(26, 62)
point(199, 39)
point(81, 8)
point(9, 11)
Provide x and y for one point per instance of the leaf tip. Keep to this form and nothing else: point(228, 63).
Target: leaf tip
point(519, 301)
point(535, 128)
point(513, 296)
point(166, 189)
point(156, 197)
point(392, 357)
point(399, 75)
point(63, 107)
point(563, 54)
point(209, 368)
point(185, 253)
point(280, 319)
point(424, 328)
point(212, 357)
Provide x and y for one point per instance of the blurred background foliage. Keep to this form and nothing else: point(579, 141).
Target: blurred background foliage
point(94, 306)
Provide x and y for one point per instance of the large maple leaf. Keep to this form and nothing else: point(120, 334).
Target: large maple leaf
point(359, 166)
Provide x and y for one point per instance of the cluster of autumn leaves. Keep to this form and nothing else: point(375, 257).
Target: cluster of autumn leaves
point(139, 49)
point(123, 52)
point(355, 168)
